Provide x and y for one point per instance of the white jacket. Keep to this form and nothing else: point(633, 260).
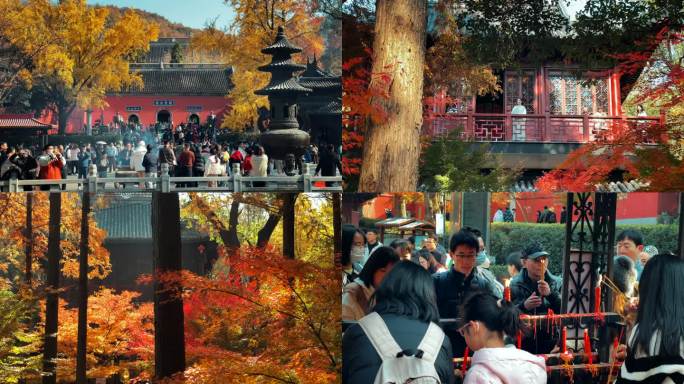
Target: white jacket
point(507, 365)
point(137, 158)
point(259, 165)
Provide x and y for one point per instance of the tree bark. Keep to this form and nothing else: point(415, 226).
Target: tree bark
point(264, 234)
point(169, 339)
point(231, 239)
point(289, 200)
point(392, 148)
point(64, 110)
point(52, 296)
point(81, 348)
point(29, 239)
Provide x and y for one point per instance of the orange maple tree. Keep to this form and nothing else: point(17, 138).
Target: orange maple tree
point(120, 336)
point(264, 316)
point(650, 153)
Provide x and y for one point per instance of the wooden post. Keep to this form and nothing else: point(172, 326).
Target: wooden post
point(169, 339)
point(82, 336)
point(54, 255)
point(289, 200)
point(586, 131)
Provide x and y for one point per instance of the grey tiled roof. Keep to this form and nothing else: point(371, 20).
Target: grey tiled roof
point(196, 79)
point(281, 44)
point(315, 78)
point(332, 108)
point(282, 65)
point(129, 218)
point(160, 50)
point(288, 86)
point(620, 186)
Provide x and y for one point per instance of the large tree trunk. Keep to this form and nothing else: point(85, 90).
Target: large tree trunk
point(29, 239)
point(392, 148)
point(264, 234)
point(64, 111)
point(231, 239)
point(81, 348)
point(169, 343)
point(289, 200)
point(52, 296)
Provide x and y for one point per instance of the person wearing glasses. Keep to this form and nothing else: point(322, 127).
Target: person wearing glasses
point(535, 290)
point(486, 320)
point(452, 285)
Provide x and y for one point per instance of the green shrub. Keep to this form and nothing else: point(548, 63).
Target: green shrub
point(506, 238)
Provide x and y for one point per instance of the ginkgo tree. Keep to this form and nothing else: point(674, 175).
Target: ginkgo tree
point(254, 27)
point(77, 53)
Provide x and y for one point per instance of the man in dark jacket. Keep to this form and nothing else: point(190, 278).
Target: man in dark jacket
point(186, 160)
point(452, 286)
point(328, 163)
point(535, 290)
point(167, 156)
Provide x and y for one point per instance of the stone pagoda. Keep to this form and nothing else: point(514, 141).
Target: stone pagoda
point(283, 139)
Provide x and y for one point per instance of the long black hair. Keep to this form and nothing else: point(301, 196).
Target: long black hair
point(407, 290)
point(348, 232)
point(378, 259)
point(497, 315)
point(661, 305)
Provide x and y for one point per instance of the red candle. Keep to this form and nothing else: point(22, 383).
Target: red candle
point(587, 347)
point(564, 337)
point(597, 299)
point(464, 366)
point(507, 290)
point(519, 339)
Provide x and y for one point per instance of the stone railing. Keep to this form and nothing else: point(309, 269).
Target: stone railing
point(494, 127)
point(305, 182)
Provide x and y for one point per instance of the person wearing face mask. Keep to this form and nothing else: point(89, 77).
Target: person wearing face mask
point(486, 320)
point(354, 253)
point(356, 296)
point(482, 261)
point(535, 290)
point(463, 277)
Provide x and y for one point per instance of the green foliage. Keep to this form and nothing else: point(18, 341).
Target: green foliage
point(504, 33)
point(506, 238)
point(19, 347)
point(176, 54)
point(451, 164)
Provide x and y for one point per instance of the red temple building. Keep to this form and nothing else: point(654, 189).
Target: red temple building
point(564, 105)
point(172, 92)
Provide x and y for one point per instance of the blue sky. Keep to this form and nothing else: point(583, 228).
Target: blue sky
point(191, 13)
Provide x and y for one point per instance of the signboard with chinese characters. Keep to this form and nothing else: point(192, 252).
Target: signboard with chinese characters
point(164, 103)
point(194, 108)
point(133, 108)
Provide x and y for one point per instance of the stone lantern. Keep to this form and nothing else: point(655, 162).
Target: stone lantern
point(283, 140)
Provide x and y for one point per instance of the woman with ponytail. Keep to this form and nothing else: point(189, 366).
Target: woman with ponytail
point(485, 321)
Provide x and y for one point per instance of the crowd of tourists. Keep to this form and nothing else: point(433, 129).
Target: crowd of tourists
point(409, 312)
point(184, 158)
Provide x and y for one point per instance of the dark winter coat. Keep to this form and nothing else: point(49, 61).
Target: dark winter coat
point(451, 288)
point(360, 361)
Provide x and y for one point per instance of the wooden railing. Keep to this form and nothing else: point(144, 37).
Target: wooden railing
point(306, 182)
point(533, 128)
